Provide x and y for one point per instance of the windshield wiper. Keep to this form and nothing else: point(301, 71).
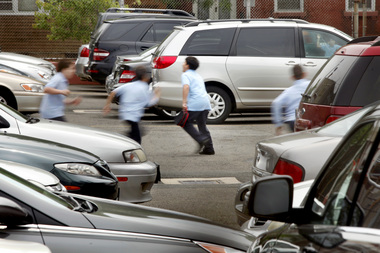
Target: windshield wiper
point(32, 120)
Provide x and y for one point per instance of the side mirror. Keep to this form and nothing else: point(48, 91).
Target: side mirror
point(13, 214)
point(4, 123)
point(271, 198)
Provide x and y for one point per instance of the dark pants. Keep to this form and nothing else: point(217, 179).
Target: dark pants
point(291, 125)
point(202, 134)
point(62, 118)
point(134, 133)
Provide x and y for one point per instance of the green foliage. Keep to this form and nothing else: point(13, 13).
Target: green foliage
point(70, 19)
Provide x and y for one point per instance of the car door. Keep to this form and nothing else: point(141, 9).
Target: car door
point(316, 47)
point(261, 61)
point(332, 202)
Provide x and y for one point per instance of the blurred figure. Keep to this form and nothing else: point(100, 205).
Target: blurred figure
point(284, 106)
point(196, 101)
point(53, 103)
point(134, 97)
point(329, 48)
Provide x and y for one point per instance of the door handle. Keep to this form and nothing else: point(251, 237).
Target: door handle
point(291, 63)
point(144, 48)
point(310, 64)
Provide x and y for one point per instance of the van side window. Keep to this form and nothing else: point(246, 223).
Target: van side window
point(264, 42)
point(320, 44)
point(210, 42)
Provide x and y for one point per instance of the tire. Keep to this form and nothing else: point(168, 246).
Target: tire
point(220, 105)
point(7, 97)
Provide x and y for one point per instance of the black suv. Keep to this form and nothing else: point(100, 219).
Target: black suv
point(129, 36)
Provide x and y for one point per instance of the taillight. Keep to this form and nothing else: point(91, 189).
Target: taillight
point(286, 168)
point(163, 61)
point(332, 118)
point(127, 76)
point(85, 52)
point(100, 54)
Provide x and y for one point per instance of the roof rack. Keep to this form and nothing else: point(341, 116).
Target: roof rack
point(363, 39)
point(299, 21)
point(142, 10)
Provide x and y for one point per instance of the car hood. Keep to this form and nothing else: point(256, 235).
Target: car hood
point(90, 139)
point(38, 152)
point(25, 58)
point(148, 220)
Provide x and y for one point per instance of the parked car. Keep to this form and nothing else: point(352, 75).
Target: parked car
point(20, 92)
point(348, 81)
point(67, 222)
point(39, 73)
point(123, 69)
point(13, 246)
point(78, 170)
point(245, 63)
point(125, 157)
point(300, 155)
point(127, 36)
point(28, 59)
point(341, 210)
point(81, 63)
point(33, 174)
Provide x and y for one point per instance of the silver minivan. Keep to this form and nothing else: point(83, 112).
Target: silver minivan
point(245, 63)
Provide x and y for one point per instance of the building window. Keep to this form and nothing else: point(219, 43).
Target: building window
point(350, 5)
point(288, 5)
point(18, 6)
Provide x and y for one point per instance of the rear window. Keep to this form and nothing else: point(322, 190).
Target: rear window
point(368, 89)
point(325, 84)
point(209, 42)
point(116, 31)
point(158, 31)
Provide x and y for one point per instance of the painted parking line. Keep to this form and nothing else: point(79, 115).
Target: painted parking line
point(88, 111)
point(218, 180)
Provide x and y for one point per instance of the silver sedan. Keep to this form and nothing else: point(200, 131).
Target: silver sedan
point(125, 157)
point(300, 155)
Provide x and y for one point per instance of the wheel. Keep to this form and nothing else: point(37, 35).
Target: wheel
point(7, 97)
point(220, 105)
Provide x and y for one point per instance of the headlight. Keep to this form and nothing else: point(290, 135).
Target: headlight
point(134, 156)
point(32, 87)
point(78, 168)
point(213, 248)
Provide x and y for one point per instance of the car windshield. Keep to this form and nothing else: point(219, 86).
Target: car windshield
point(38, 191)
point(341, 126)
point(15, 114)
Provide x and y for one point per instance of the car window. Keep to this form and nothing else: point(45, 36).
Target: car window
point(325, 84)
point(15, 114)
point(332, 201)
point(341, 126)
point(209, 42)
point(266, 42)
point(368, 89)
point(320, 44)
point(158, 31)
point(114, 31)
point(369, 196)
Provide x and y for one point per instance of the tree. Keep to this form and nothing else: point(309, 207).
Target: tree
point(70, 19)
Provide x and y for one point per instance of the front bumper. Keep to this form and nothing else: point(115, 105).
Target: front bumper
point(135, 180)
point(28, 101)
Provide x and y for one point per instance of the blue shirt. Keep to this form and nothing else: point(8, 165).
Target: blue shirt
point(197, 99)
point(329, 50)
point(287, 102)
point(133, 98)
point(53, 105)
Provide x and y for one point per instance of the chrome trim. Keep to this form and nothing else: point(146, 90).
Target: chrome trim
point(102, 233)
point(260, 89)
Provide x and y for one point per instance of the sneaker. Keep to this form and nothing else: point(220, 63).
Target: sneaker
point(203, 144)
point(207, 151)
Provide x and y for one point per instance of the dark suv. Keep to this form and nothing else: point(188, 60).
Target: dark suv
point(347, 82)
point(128, 36)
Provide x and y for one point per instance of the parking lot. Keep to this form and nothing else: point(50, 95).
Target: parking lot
point(191, 183)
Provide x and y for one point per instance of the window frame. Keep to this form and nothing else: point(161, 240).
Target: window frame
point(15, 10)
point(347, 5)
point(300, 10)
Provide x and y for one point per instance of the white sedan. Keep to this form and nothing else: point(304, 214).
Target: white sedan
point(125, 157)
